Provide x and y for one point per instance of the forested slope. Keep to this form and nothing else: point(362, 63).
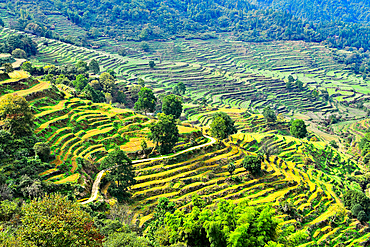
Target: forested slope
point(317, 10)
point(79, 22)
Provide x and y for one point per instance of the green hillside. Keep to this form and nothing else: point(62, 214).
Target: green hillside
point(184, 123)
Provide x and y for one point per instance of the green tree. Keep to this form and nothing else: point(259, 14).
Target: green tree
point(2, 23)
point(222, 125)
point(288, 85)
point(16, 114)
point(56, 221)
point(8, 68)
point(299, 84)
point(42, 150)
point(231, 168)
point(82, 67)
point(146, 101)
point(90, 93)
point(226, 225)
point(290, 79)
point(356, 209)
point(19, 53)
point(27, 66)
point(269, 114)
point(298, 128)
point(80, 82)
point(144, 145)
point(145, 46)
point(172, 105)
point(94, 66)
point(252, 164)
point(151, 64)
point(164, 132)
point(122, 174)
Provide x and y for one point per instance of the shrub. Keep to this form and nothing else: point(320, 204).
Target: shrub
point(42, 150)
point(362, 216)
point(356, 209)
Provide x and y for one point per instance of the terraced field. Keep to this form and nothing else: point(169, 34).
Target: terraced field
point(227, 73)
point(306, 197)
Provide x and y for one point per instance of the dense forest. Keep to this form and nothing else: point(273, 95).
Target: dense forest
point(316, 10)
point(157, 19)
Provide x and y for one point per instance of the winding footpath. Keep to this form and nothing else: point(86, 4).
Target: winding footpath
point(96, 185)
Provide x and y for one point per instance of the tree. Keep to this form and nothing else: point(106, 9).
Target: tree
point(82, 67)
point(151, 64)
point(19, 53)
point(252, 164)
point(298, 128)
point(146, 101)
point(269, 114)
point(164, 132)
point(143, 145)
point(16, 114)
point(80, 82)
point(42, 150)
point(179, 89)
point(90, 93)
point(145, 46)
point(8, 68)
point(334, 144)
point(94, 66)
point(290, 79)
point(27, 66)
point(172, 105)
point(2, 23)
point(56, 221)
point(231, 168)
point(222, 125)
point(356, 209)
point(288, 85)
point(299, 84)
point(122, 174)
point(362, 216)
point(227, 224)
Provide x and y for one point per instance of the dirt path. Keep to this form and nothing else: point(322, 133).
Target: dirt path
point(96, 185)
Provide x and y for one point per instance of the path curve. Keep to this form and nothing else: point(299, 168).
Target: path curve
point(96, 185)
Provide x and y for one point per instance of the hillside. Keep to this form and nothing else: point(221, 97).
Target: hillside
point(184, 123)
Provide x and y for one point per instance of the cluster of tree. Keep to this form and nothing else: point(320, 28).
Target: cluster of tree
point(293, 83)
point(23, 155)
point(19, 45)
point(226, 224)
point(358, 203)
point(164, 133)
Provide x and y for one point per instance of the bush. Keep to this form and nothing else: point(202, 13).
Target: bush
point(19, 53)
point(356, 209)
point(362, 216)
point(42, 150)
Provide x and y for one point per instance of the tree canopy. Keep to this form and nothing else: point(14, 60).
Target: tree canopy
point(56, 221)
point(269, 114)
point(164, 132)
point(172, 105)
point(222, 125)
point(146, 101)
point(16, 114)
point(298, 128)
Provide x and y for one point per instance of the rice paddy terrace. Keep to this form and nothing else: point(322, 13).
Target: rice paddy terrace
point(306, 196)
point(228, 73)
